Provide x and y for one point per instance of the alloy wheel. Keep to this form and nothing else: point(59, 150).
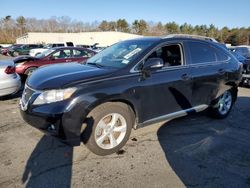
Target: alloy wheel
point(225, 103)
point(110, 131)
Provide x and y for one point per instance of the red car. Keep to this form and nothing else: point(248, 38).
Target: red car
point(25, 65)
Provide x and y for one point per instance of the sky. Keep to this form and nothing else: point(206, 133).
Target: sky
point(230, 13)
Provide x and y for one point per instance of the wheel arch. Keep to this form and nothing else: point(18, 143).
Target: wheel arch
point(129, 103)
point(234, 89)
point(27, 69)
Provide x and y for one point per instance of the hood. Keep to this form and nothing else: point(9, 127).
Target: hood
point(64, 75)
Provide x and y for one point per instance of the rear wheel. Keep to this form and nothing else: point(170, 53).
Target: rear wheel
point(223, 105)
point(29, 71)
point(108, 128)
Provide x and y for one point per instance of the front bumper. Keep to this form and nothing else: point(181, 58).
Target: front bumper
point(56, 119)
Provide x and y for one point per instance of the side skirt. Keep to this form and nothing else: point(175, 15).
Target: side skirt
point(172, 115)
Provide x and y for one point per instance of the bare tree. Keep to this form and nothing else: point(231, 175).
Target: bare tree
point(21, 22)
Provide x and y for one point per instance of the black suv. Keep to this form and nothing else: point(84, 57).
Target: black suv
point(128, 85)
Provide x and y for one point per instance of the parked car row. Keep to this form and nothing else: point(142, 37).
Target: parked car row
point(242, 53)
point(5, 50)
point(36, 49)
point(93, 47)
point(23, 50)
point(25, 65)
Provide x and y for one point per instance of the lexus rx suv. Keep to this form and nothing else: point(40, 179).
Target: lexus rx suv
point(129, 85)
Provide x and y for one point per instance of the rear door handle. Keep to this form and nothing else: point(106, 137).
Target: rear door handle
point(67, 60)
point(185, 77)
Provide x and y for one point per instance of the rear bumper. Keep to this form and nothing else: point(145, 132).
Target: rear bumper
point(10, 86)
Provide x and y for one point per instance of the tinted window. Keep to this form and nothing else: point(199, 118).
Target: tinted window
point(59, 45)
point(201, 53)
point(25, 47)
point(33, 46)
point(171, 55)
point(81, 53)
point(221, 56)
point(69, 44)
point(61, 54)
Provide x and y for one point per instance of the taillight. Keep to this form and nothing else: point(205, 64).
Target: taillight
point(10, 70)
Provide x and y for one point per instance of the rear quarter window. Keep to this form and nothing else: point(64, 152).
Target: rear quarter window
point(205, 53)
point(221, 55)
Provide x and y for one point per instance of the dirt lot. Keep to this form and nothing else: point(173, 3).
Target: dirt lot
point(193, 151)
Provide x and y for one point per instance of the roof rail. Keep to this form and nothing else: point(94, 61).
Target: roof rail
point(190, 36)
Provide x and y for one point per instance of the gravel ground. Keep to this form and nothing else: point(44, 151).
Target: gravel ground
point(193, 151)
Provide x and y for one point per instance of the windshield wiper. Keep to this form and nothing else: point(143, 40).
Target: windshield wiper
point(95, 64)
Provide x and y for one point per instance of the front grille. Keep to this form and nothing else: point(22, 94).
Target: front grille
point(27, 93)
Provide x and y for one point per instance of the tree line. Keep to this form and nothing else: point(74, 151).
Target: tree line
point(11, 28)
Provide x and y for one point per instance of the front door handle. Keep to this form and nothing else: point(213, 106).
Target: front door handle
point(67, 60)
point(185, 77)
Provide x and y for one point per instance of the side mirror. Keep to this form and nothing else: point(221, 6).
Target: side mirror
point(153, 63)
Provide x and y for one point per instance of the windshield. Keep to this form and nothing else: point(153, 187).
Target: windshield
point(121, 54)
point(45, 53)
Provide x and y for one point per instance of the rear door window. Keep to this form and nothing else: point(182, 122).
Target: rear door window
point(81, 53)
point(62, 54)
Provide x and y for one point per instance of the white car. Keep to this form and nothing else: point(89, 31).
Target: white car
point(37, 51)
point(10, 82)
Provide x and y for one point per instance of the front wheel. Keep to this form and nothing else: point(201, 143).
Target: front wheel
point(108, 128)
point(222, 106)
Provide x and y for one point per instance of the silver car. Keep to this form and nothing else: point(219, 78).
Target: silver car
point(10, 82)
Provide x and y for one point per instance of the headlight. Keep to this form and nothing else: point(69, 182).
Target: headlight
point(54, 96)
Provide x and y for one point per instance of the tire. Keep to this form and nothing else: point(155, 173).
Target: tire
point(29, 71)
point(108, 128)
point(222, 105)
